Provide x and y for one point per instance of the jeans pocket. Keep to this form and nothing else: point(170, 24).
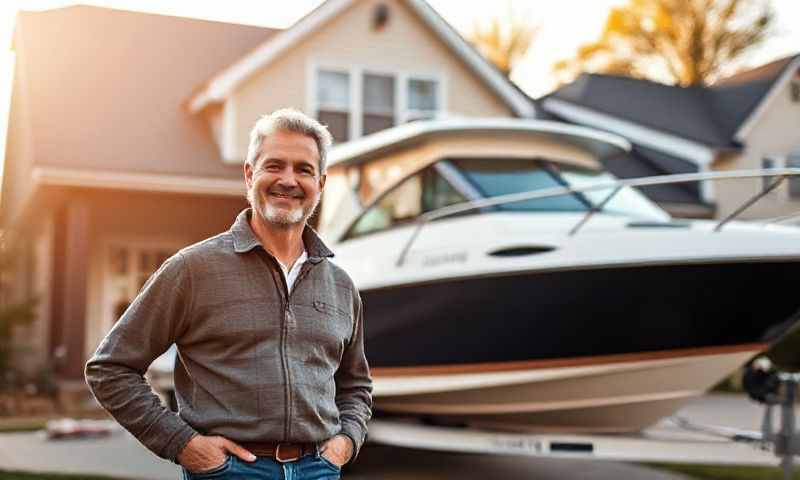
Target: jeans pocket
point(214, 472)
point(330, 464)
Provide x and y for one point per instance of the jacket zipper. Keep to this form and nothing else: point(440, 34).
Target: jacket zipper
point(286, 297)
point(304, 269)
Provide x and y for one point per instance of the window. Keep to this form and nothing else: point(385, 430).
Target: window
point(767, 164)
point(333, 103)
point(423, 99)
point(423, 192)
point(128, 269)
point(793, 161)
point(378, 103)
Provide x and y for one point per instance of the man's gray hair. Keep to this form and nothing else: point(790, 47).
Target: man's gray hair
point(289, 120)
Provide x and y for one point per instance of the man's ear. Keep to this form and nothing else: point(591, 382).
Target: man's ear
point(322, 179)
point(248, 175)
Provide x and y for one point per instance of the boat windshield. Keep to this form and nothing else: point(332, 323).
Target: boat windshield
point(455, 181)
point(494, 177)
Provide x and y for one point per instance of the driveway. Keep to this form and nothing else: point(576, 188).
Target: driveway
point(120, 455)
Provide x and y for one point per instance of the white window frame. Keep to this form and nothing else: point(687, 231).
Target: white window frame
point(356, 73)
point(172, 245)
point(441, 95)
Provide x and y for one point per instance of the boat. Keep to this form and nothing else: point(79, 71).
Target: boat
point(510, 282)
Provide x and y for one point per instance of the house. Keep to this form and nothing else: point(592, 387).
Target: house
point(748, 121)
point(128, 131)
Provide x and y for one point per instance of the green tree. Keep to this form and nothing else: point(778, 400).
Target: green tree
point(680, 42)
point(504, 38)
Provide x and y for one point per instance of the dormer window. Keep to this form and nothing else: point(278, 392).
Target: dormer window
point(379, 103)
point(354, 102)
point(334, 103)
point(423, 99)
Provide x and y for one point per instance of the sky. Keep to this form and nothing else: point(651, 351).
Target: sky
point(564, 25)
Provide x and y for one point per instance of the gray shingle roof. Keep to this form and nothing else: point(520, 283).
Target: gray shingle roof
point(708, 115)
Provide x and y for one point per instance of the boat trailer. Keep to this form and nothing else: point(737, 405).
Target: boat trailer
point(674, 440)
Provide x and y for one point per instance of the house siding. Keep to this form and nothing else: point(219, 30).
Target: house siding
point(403, 45)
point(775, 134)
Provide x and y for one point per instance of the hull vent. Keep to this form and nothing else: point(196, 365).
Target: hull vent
point(521, 251)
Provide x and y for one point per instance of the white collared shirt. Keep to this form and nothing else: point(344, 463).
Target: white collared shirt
point(290, 274)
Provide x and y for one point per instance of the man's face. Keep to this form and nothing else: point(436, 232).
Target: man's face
point(285, 185)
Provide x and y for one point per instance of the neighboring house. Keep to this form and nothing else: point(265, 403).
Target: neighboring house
point(747, 121)
point(128, 131)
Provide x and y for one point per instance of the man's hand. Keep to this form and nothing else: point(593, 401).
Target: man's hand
point(203, 454)
point(337, 449)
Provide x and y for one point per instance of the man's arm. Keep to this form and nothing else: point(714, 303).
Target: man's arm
point(115, 373)
point(354, 384)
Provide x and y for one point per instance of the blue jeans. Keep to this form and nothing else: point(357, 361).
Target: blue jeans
point(310, 467)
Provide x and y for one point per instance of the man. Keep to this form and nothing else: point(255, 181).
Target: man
point(271, 380)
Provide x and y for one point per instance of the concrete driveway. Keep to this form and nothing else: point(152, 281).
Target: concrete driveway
point(120, 455)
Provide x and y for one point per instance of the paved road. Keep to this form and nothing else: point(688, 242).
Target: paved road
point(120, 455)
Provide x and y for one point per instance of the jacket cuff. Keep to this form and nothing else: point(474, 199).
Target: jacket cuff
point(356, 436)
point(168, 437)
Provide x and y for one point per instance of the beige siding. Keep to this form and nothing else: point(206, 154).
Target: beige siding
point(776, 133)
point(404, 46)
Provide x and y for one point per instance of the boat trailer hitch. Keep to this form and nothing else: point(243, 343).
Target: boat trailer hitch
point(776, 389)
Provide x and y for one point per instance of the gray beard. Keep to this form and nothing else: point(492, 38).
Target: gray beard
point(278, 217)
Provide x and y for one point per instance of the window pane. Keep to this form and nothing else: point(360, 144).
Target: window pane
point(500, 176)
point(403, 203)
point(767, 164)
point(793, 161)
point(422, 95)
point(379, 94)
point(628, 201)
point(333, 90)
point(438, 192)
point(376, 123)
point(337, 123)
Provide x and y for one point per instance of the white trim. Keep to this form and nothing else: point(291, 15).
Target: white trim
point(356, 85)
point(774, 91)
point(695, 152)
point(229, 150)
point(224, 83)
point(402, 133)
point(68, 177)
point(706, 186)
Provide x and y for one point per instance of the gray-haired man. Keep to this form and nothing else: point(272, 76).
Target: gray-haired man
point(272, 380)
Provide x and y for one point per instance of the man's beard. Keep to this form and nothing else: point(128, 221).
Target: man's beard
point(278, 216)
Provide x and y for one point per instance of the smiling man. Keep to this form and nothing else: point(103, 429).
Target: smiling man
point(271, 377)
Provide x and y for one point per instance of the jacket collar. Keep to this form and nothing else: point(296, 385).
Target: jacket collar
point(244, 239)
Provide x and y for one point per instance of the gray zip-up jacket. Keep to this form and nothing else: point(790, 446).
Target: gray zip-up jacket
point(256, 363)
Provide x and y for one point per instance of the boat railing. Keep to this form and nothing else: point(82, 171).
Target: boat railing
point(615, 186)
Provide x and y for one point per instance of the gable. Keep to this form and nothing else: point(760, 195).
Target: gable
point(403, 48)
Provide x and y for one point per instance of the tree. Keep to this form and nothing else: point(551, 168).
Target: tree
point(680, 42)
point(504, 39)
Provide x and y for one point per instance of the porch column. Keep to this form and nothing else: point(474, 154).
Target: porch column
point(71, 274)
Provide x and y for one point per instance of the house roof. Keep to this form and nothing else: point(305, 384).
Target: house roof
point(102, 89)
point(707, 115)
point(225, 81)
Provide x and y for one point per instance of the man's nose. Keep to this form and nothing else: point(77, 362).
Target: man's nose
point(288, 178)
